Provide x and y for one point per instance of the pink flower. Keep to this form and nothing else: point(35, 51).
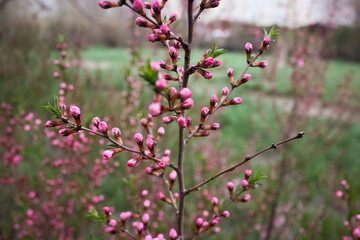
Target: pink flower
point(162, 164)
point(181, 121)
point(246, 77)
point(165, 29)
point(187, 104)
point(139, 138)
point(96, 121)
point(138, 6)
point(161, 84)
point(161, 131)
point(214, 201)
point(56, 62)
point(116, 132)
point(112, 222)
point(225, 92)
point(356, 233)
point(267, 41)
point(139, 226)
point(226, 214)
point(144, 193)
point(248, 46)
point(107, 154)
point(173, 233)
point(230, 186)
point(56, 74)
point(248, 173)
point(161, 196)
point(339, 194)
point(185, 93)
point(155, 66)
point(123, 216)
point(199, 221)
point(131, 163)
point(75, 111)
point(244, 183)
point(236, 101)
point(204, 112)
point(172, 176)
point(103, 127)
point(247, 197)
point(145, 218)
point(263, 64)
point(155, 109)
point(230, 73)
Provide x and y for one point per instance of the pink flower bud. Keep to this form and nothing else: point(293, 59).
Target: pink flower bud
point(144, 193)
point(103, 127)
point(161, 131)
point(165, 30)
point(155, 6)
point(226, 214)
point(63, 53)
point(339, 194)
point(155, 109)
point(172, 176)
point(244, 183)
point(75, 111)
point(161, 84)
point(236, 101)
point(138, 6)
point(173, 17)
point(230, 73)
point(143, 122)
point(209, 62)
point(248, 173)
point(204, 112)
point(105, 4)
point(246, 78)
point(155, 66)
point(187, 104)
point(162, 164)
point(199, 221)
point(161, 196)
point(106, 210)
point(173, 92)
point(267, 41)
point(150, 143)
point(248, 46)
point(147, 203)
point(185, 93)
point(225, 92)
point(213, 101)
point(96, 121)
point(357, 217)
point(131, 162)
point(139, 226)
point(263, 64)
point(214, 201)
point(173, 234)
point(116, 132)
point(181, 121)
point(107, 154)
point(215, 221)
point(53, 123)
point(230, 186)
point(139, 138)
point(356, 233)
point(188, 121)
point(56, 62)
point(112, 222)
point(56, 75)
point(145, 218)
point(123, 216)
point(148, 170)
point(247, 197)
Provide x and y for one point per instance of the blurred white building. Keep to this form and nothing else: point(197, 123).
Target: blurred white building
point(285, 13)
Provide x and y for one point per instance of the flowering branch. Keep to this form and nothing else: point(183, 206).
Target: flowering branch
point(246, 159)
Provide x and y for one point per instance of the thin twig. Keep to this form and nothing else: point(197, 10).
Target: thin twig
point(170, 193)
point(144, 15)
point(246, 159)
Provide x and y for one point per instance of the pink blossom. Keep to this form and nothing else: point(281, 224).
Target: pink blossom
point(247, 197)
point(173, 233)
point(162, 164)
point(155, 66)
point(165, 29)
point(131, 163)
point(112, 222)
point(139, 138)
point(181, 121)
point(225, 91)
point(226, 214)
point(263, 64)
point(244, 183)
point(144, 193)
point(339, 194)
point(161, 131)
point(103, 127)
point(107, 154)
point(75, 111)
point(161, 84)
point(161, 196)
point(187, 104)
point(185, 93)
point(236, 101)
point(214, 201)
point(56, 74)
point(145, 218)
point(155, 109)
point(56, 62)
point(123, 216)
point(267, 40)
point(116, 132)
point(172, 176)
point(248, 46)
point(147, 203)
point(217, 230)
point(199, 221)
point(356, 233)
point(138, 6)
point(96, 121)
point(230, 186)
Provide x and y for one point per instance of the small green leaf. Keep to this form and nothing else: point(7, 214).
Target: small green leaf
point(272, 34)
point(140, 115)
point(95, 216)
point(214, 52)
point(148, 74)
point(61, 39)
point(257, 177)
point(54, 110)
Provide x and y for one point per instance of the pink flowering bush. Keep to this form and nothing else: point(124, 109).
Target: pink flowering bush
point(148, 155)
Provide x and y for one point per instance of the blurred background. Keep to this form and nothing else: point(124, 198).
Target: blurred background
point(312, 83)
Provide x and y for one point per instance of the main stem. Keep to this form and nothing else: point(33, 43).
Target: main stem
point(187, 48)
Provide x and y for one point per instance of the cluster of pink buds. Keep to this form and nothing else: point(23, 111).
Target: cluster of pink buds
point(101, 126)
point(245, 187)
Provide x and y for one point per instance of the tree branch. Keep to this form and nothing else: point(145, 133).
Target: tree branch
point(246, 159)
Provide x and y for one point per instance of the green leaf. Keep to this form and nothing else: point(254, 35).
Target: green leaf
point(54, 110)
point(214, 52)
point(148, 74)
point(111, 146)
point(95, 216)
point(140, 115)
point(257, 177)
point(272, 34)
